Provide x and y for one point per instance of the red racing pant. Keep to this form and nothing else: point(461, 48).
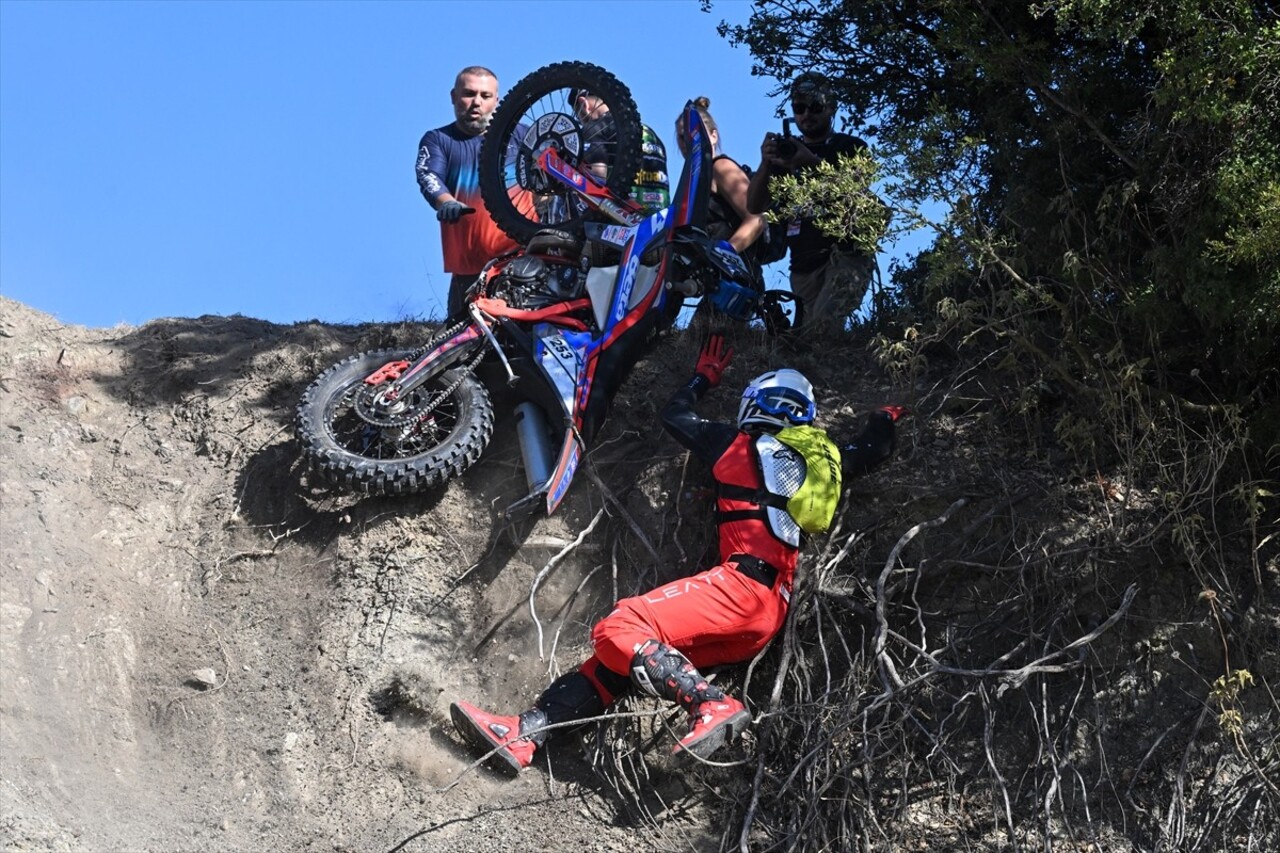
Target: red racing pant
point(718, 616)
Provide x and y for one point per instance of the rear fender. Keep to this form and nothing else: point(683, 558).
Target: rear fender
point(566, 466)
point(561, 357)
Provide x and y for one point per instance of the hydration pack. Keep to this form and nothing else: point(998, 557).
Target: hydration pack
point(800, 470)
point(813, 505)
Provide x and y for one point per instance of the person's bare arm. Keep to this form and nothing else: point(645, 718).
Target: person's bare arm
point(731, 184)
point(759, 198)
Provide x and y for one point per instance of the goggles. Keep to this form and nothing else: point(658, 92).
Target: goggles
point(785, 403)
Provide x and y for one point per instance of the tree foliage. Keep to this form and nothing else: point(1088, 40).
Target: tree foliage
point(1109, 272)
point(838, 197)
point(1119, 161)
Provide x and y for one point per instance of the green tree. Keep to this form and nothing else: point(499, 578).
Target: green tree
point(1109, 269)
point(1114, 168)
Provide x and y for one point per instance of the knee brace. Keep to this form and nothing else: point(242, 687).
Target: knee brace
point(662, 671)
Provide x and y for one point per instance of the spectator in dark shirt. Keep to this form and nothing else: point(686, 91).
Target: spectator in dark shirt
point(829, 277)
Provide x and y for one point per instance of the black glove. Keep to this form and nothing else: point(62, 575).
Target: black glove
point(876, 442)
point(452, 211)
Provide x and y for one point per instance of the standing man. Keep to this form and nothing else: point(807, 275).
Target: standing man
point(828, 276)
point(449, 177)
point(660, 640)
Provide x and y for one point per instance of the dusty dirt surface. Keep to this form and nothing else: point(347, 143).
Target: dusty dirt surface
point(201, 650)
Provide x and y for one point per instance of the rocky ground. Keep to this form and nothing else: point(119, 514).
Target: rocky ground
point(201, 650)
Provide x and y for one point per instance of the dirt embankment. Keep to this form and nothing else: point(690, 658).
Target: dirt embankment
point(201, 651)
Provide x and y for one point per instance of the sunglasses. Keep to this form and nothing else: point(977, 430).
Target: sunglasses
point(802, 108)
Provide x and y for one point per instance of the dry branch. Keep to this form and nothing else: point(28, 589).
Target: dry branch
point(551, 564)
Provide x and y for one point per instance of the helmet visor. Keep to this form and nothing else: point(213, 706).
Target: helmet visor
point(787, 403)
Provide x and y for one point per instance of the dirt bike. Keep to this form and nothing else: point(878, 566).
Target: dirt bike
point(563, 320)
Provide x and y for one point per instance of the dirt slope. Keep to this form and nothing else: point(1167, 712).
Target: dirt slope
point(154, 525)
point(199, 650)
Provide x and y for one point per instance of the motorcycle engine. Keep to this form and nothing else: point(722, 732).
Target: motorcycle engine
point(531, 283)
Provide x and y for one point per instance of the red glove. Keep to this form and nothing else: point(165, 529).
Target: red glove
point(895, 412)
point(714, 359)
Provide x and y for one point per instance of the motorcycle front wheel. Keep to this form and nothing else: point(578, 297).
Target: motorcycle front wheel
point(543, 111)
point(358, 436)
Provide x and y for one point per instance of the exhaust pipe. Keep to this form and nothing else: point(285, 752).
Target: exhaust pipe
point(535, 444)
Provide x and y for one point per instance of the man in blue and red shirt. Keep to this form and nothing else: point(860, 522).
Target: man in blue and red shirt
point(449, 177)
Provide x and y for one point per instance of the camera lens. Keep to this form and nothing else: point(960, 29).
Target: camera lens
point(786, 148)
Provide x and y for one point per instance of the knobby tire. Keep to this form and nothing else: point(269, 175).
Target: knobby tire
point(343, 451)
point(515, 109)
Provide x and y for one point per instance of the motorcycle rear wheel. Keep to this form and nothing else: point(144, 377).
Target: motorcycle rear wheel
point(354, 438)
point(537, 113)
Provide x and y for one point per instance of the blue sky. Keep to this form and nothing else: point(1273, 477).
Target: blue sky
point(173, 159)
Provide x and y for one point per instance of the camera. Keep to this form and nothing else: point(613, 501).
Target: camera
point(786, 145)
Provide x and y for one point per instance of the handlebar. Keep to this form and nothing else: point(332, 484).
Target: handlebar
point(699, 256)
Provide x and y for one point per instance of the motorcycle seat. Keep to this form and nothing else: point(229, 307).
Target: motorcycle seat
point(553, 239)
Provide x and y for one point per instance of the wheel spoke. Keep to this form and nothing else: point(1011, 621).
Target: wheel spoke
point(365, 439)
point(422, 421)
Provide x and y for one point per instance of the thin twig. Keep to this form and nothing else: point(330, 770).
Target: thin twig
point(551, 564)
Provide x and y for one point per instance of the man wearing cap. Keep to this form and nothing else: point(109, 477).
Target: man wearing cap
point(830, 277)
point(449, 177)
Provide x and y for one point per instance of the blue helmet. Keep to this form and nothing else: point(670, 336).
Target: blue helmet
point(777, 399)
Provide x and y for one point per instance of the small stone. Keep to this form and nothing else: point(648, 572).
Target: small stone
point(290, 741)
point(205, 677)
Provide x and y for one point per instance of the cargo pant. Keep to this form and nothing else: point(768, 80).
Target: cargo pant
point(833, 291)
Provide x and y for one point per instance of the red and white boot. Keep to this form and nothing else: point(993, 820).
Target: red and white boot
point(713, 724)
point(485, 732)
point(714, 718)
